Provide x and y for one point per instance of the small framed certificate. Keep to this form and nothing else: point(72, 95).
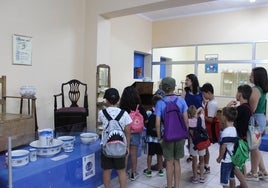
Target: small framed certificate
point(22, 50)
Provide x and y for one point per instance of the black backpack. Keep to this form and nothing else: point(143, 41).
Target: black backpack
point(150, 129)
point(199, 136)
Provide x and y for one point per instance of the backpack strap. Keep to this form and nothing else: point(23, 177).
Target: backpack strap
point(199, 122)
point(118, 117)
point(137, 108)
point(105, 113)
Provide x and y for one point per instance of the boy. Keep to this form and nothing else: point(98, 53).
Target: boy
point(172, 151)
point(108, 163)
point(154, 146)
point(228, 138)
point(210, 107)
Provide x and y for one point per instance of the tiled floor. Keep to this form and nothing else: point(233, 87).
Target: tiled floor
point(212, 179)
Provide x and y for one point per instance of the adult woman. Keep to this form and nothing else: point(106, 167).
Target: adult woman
point(257, 103)
point(192, 94)
point(129, 101)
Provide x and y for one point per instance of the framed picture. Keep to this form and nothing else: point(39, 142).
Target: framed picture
point(211, 65)
point(22, 50)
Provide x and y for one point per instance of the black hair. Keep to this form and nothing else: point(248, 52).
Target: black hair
point(155, 99)
point(260, 78)
point(245, 90)
point(195, 83)
point(207, 87)
point(129, 99)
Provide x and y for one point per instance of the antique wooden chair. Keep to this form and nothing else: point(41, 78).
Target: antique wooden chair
point(71, 116)
point(20, 124)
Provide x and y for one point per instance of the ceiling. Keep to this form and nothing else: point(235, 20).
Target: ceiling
point(202, 8)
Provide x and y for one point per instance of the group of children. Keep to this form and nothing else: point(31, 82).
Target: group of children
point(231, 114)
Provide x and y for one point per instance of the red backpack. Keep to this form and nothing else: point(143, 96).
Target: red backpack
point(213, 128)
point(137, 124)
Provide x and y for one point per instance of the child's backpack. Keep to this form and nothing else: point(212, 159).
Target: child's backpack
point(150, 129)
point(240, 153)
point(137, 124)
point(174, 125)
point(114, 139)
point(199, 136)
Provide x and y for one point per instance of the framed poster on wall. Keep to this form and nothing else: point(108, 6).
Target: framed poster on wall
point(211, 65)
point(22, 50)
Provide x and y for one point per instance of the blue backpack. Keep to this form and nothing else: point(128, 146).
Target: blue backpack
point(174, 125)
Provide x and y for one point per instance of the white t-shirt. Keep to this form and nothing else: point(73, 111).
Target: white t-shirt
point(229, 132)
point(212, 108)
point(113, 112)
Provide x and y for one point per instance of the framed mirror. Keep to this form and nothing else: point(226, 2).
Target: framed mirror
point(103, 80)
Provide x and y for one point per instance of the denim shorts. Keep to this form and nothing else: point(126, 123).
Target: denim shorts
point(261, 121)
point(135, 139)
point(227, 173)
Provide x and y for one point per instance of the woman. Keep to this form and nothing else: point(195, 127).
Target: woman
point(257, 103)
point(129, 101)
point(192, 95)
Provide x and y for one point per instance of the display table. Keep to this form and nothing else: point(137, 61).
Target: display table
point(80, 168)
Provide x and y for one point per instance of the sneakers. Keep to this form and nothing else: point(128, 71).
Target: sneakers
point(207, 170)
point(194, 180)
point(252, 177)
point(147, 173)
point(133, 176)
point(201, 180)
point(160, 173)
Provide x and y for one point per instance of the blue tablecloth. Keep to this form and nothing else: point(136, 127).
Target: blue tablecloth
point(69, 172)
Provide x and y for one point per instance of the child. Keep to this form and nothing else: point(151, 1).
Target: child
point(154, 146)
point(210, 107)
point(228, 137)
point(193, 113)
point(108, 163)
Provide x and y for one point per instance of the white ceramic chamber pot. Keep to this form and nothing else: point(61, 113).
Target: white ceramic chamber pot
point(46, 137)
point(18, 158)
point(68, 143)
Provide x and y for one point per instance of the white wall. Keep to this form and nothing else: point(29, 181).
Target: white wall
point(128, 34)
point(58, 33)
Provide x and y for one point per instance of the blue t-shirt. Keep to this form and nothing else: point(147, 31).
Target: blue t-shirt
point(160, 105)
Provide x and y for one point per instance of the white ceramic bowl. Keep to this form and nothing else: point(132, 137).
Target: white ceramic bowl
point(27, 91)
point(47, 151)
point(19, 157)
point(87, 138)
point(68, 143)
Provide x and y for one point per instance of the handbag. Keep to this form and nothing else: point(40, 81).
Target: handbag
point(253, 134)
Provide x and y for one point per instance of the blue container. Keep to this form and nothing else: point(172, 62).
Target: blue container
point(264, 143)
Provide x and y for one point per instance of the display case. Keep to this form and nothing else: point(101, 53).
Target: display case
point(231, 80)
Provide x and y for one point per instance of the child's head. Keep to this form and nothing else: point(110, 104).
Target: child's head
point(207, 91)
point(111, 95)
point(168, 84)
point(191, 111)
point(155, 99)
point(243, 91)
point(229, 114)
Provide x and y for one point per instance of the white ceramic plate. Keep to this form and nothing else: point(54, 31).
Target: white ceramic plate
point(47, 151)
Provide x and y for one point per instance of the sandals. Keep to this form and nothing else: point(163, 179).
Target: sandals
point(263, 175)
point(252, 177)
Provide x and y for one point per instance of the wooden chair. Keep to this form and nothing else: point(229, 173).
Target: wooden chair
point(20, 125)
point(70, 117)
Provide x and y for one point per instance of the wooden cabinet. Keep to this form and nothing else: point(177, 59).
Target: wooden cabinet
point(145, 90)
